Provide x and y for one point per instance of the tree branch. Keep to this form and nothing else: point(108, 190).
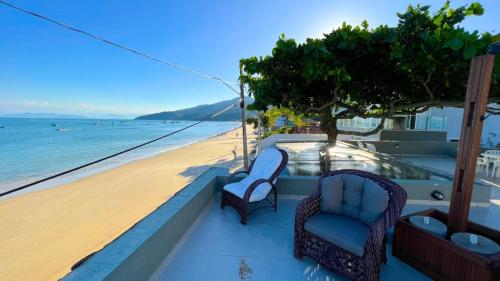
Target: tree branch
point(426, 85)
point(335, 100)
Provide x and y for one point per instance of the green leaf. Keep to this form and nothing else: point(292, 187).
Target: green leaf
point(364, 24)
point(437, 20)
point(455, 44)
point(469, 52)
point(474, 9)
point(446, 5)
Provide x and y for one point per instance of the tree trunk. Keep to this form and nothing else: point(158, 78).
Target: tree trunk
point(328, 124)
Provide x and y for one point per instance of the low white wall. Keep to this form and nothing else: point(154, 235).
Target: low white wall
point(271, 140)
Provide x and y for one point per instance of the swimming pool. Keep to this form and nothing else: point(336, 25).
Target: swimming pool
point(316, 158)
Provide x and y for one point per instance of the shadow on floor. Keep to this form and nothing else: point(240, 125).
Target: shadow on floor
point(194, 171)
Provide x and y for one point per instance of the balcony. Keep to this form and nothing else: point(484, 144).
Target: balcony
point(190, 238)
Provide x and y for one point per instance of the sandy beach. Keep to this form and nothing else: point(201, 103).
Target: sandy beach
point(43, 233)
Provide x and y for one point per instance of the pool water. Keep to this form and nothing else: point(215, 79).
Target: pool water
point(316, 158)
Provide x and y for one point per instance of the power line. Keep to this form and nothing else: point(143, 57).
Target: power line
point(101, 39)
point(118, 153)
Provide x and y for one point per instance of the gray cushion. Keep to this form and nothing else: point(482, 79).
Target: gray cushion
point(373, 202)
point(353, 190)
point(353, 196)
point(342, 231)
point(332, 190)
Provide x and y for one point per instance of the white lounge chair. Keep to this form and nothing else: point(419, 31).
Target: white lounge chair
point(261, 178)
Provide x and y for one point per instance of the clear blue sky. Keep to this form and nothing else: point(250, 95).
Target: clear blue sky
point(44, 68)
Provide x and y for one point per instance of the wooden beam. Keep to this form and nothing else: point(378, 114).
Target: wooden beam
point(476, 100)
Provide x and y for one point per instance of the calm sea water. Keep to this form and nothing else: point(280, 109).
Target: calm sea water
point(33, 148)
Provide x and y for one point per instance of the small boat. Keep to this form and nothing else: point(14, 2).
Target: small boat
point(61, 129)
point(53, 124)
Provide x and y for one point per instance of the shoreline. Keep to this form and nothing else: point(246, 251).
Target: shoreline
point(47, 231)
point(91, 170)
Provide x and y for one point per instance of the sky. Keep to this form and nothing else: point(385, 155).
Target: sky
point(44, 68)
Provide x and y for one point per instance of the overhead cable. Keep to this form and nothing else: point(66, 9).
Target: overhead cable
point(136, 52)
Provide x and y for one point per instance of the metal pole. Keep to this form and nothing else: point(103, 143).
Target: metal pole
point(243, 122)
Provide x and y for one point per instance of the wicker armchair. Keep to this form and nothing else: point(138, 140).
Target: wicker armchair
point(262, 175)
point(364, 266)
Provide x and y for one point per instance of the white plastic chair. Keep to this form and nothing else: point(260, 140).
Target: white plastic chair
point(482, 165)
point(489, 160)
point(495, 173)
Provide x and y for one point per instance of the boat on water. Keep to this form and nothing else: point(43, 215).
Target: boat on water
point(62, 129)
point(53, 124)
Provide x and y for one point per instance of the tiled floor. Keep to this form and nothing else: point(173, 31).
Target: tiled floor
point(219, 248)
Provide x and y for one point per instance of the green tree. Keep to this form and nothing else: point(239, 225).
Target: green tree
point(422, 62)
point(254, 121)
point(275, 112)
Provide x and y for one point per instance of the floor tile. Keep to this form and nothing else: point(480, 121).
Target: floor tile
point(300, 270)
point(231, 268)
point(220, 248)
point(185, 268)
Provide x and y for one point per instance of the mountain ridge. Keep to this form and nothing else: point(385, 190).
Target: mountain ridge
point(200, 112)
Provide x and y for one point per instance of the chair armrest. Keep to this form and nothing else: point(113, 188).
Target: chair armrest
point(378, 229)
point(306, 208)
point(231, 176)
point(375, 239)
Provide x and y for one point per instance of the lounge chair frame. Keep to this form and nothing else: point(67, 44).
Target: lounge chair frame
point(242, 205)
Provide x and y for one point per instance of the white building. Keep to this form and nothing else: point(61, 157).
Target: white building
point(435, 119)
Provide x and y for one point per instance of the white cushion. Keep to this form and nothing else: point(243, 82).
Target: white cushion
point(266, 163)
point(239, 189)
point(264, 167)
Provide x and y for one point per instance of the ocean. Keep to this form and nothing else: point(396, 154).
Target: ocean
point(31, 149)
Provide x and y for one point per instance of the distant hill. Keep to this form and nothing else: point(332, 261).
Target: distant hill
point(201, 111)
point(42, 115)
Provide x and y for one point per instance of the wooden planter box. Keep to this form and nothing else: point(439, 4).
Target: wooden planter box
point(440, 258)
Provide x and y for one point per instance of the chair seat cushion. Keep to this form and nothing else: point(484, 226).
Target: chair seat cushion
point(239, 189)
point(342, 231)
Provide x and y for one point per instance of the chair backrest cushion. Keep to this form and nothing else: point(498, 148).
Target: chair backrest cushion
point(353, 196)
point(332, 195)
point(353, 191)
point(268, 162)
point(373, 202)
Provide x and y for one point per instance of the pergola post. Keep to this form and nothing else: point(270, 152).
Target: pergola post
point(476, 100)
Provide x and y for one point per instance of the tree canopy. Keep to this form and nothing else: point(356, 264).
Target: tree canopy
point(379, 72)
